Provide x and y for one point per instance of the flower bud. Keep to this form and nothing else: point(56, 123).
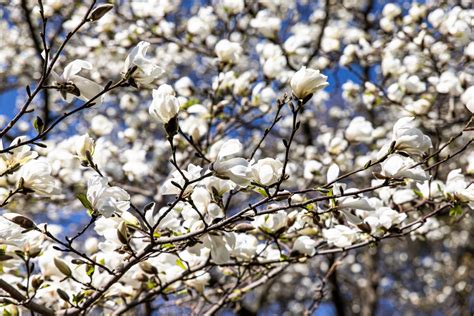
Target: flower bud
point(227, 51)
point(165, 105)
point(307, 81)
point(85, 147)
point(100, 11)
point(62, 266)
point(122, 232)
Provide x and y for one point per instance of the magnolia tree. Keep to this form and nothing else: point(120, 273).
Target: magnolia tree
point(236, 156)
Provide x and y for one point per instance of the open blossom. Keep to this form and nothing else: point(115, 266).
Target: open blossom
point(199, 281)
point(227, 51)
point(203, 202)
point(398, 166)
point(266, 24)
point(391, 10)
point(146, 71)
point(192, 172)
point(36, 176)
point(419, 107)
point(410, 139)
point(229, 165)
point(272, 222)
point(245, 246)
point(383, 219)
point(12, 234)
point(350, 201)
point(84, 147)
point(267, 171)
point(71, 85)
point(468, 98)
point(16, 157)
point(307, 81)
point(220, 245)
point(165, 105)
point(411, 84)
point(340, 236)
point(459, 187)
point(305, 245)
point(106, 199)
point(233, 6)
point(359, 130)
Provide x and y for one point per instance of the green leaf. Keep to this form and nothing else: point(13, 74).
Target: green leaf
point(181, 264)
point(456, 210)
point(85, 202)
point(38, 124)
point(189, 103)
point(418, 193)
point(90, 270)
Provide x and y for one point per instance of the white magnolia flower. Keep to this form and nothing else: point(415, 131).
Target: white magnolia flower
point(233, 6)
point(419, 107)
point(383, 219)
point(36, 176)
point(398, 166)
point(350, 201)
point(199, 280)
point(170, 222)
point(167, 267)
point(307, 81)
point(272, 222)
point(332, 173)
point(410, 139)
point(184, 86)
point(431, 189)
point(391, 10)
point(449, 83)
point(202, 24)
point(84, 146)
point(274, 66)
point(468, 98)
point(203, 202)
point(312, 169)
point(101, 125)
point(245, 246)
point(12, 160)
point(227, 51)
point(146, 71)
point(218, 186)
point(12, 234)
point(459, 187)
point(192, 172)
point(74, 86)
point(267, 171)
point(229, 165)
point(359, 130)
point(411, 84)
point(340, 236)
point(165, 105)
point(220, 245)
point(305, 245)
point(266, 23)
point(106, 199)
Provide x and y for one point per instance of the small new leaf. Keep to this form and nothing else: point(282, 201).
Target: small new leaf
point(85, 202)
point(180, 264)
point(38, 125)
